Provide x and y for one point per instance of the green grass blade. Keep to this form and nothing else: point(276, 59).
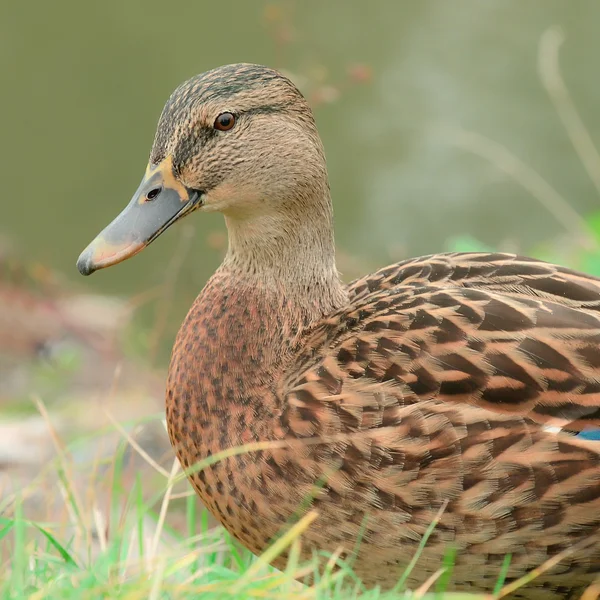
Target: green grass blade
point(56, 545)
point(191, 515)
point(7, 528)
point(402, 581)
point(503, 574)
point(140, 511)
point(448, 565)
point(19, 559)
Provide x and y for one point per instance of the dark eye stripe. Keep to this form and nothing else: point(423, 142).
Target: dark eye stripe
point(203, 133)
point(267, 109)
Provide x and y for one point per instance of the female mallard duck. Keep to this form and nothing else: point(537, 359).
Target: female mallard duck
point(438, 381)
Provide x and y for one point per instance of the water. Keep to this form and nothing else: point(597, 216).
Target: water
point(83, 85)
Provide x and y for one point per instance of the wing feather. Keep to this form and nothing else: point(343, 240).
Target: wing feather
point(512, 335)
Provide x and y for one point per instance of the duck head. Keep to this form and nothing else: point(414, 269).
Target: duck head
point(239, 139)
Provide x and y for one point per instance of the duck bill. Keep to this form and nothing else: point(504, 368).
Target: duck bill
point(159, 201)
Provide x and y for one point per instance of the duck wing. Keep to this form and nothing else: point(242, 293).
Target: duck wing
point(435, 387)
point(513, 335)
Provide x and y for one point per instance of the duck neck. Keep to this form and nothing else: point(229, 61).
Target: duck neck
point(289, 254)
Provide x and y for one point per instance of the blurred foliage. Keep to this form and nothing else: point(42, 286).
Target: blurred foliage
point(581, 258)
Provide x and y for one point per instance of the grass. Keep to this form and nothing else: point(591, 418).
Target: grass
point(156, 541)
point(133, 548)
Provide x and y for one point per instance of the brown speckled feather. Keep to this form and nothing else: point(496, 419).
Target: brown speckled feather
point(501, 332)
point(453, 381)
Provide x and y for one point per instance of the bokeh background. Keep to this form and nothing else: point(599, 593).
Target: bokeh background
point(448, 125)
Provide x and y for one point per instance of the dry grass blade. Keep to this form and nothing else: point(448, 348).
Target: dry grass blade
point(72, 500)
point(135, 445)
point(163, 510)
point(329, 575)
point(424, 588)
point(100, 523)
point(276, 549)
point(157, 581)
point(551, 562)
point(592, 593)
point(549, 71)
point(181, 495)
point(288, 444)
point(334, 558)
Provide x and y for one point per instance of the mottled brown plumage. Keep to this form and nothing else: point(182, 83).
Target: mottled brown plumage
point(438, 380)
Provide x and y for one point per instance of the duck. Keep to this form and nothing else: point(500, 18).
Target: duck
point(452, 384)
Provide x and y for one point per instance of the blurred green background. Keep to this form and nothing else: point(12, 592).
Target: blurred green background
point(83, 85)
point(448, 125)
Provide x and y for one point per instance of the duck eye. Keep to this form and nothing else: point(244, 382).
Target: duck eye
point(225, 121)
